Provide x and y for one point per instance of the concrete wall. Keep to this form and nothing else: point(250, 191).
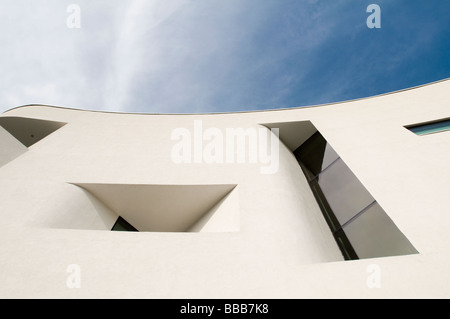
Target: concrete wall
point(283, 246)
point(10, 148)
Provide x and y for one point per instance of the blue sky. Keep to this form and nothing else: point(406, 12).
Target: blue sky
point(192, 56)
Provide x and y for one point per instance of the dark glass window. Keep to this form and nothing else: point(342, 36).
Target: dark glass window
point(315, 155)
point(122, 225)
point(430, 127)
point(360, 226)
point(374, 234)
point(343, 191)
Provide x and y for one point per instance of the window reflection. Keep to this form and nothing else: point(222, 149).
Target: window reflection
point(343, 191)
point(431, 127)
point(374, 234)
point(122, 225)
point(360, 226)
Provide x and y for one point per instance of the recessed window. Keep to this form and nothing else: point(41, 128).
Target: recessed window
point(430, 127)
point(360, 226)
point(166, 208)
point(122, 225)
point(29, 131)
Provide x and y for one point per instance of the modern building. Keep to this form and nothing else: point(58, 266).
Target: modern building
point(346, 200)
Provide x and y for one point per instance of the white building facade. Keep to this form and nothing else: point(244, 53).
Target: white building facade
point(346, 200)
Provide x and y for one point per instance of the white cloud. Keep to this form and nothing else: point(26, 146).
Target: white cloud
point(128, 56)
point(153, 56)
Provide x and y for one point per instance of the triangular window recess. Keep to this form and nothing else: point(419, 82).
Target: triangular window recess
point(169, 208)
point(293, 134)
point(29, 131)
point(122, 225)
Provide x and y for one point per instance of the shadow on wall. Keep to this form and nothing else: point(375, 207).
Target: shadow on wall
point(71, 207)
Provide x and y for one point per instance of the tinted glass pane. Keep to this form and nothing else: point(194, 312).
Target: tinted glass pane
point(122, 225)
point(374, 234)
point(344, 244)
point(431, 127)
point(343, 191)
point(311, 153)
point(329, 156)
point(325, 207)
point(308, 173)
point(315, 154)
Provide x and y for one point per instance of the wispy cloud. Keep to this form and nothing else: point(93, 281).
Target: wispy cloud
point(131, 52)
point(189, 56)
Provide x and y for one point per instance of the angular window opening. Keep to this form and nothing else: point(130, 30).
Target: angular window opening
point(17, 134)
point(122, 225)
point(361, 228)
point(29, 131)
point(430, 127)
point(168, 208)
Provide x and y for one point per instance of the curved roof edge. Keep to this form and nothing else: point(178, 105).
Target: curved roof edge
point(237, 112)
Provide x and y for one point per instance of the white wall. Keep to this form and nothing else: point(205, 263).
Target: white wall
point(10, 148)
point(283, 248)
